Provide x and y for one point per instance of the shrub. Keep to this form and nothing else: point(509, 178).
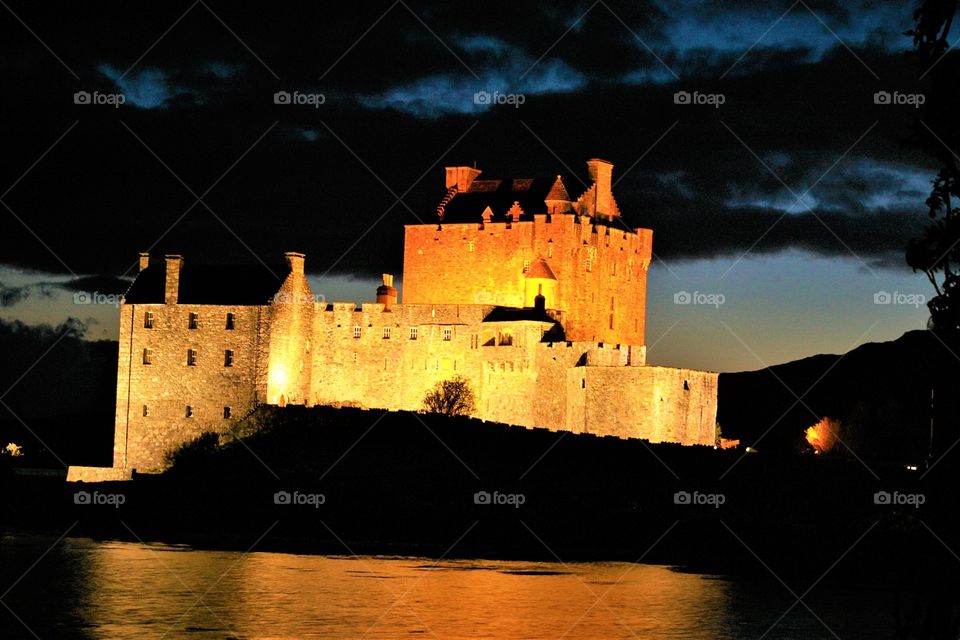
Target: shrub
point(450, 398)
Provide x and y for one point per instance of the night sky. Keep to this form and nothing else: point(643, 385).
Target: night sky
point(790, 203)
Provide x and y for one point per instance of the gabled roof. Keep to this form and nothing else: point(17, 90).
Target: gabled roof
point(244, 284)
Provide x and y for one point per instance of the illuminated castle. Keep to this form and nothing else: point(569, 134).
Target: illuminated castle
point(535, 296)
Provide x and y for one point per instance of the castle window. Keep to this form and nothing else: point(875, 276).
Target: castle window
point(447, 334)
point(357, 331)
point(146, 411)
point(148, 356)
point(227, 412)
point(191, 357)
point(189, 411)
point(686, 385)
point(386, 333)
point(231, 321)
point(471, 246)
point(506, 339)
point(413, 333)
point(588, 264)
point(148, 320)
point(526, 266)
point(194, 321)
point(611, 321)
point(228, 358)
point(549, 248)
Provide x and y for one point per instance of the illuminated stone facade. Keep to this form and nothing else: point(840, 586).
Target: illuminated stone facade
point(537, 298)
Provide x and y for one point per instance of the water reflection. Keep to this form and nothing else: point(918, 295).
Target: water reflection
point(88, 589)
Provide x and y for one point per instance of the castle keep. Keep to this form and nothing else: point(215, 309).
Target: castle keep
point(535, 295)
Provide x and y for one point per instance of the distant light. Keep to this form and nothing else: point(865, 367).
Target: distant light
point(751, 450)
point(911, 467)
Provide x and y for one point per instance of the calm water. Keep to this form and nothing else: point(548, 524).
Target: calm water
point(87, 589)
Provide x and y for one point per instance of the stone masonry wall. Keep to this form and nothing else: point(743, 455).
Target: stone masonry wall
point(660, 404)
point(152, 399)
point(601, 271)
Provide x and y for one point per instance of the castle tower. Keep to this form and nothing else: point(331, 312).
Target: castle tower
point(492, 232)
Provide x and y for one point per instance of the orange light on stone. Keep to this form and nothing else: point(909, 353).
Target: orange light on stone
point(277, 383)
point(823, 435)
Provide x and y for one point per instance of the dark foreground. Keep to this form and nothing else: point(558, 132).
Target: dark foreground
point(340, 481)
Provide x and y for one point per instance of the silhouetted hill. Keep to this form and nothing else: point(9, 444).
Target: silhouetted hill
point(879, 391)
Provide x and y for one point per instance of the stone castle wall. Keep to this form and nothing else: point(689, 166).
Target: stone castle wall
point(659, 404)
point(152, 399)
point(369, 357)
point(601, 271)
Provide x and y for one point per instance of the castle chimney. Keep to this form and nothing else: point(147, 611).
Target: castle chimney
point(144, 260)
point(461, 177)
point(295, 261)
point(539, 301)
point(386, 293)
point(601, 172)
point(171, 289)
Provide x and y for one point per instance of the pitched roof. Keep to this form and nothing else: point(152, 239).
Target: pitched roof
point(540, 269)
point(244, 284)
point(516, 314)
point(499, 195)
point(529, 193)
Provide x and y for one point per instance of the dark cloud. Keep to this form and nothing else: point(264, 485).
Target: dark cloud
point(12, 295)
point(105, 284)
point(325, 180)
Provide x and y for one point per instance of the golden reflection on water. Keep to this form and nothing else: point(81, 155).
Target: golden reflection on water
point(90, 589)
point(137, 591)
